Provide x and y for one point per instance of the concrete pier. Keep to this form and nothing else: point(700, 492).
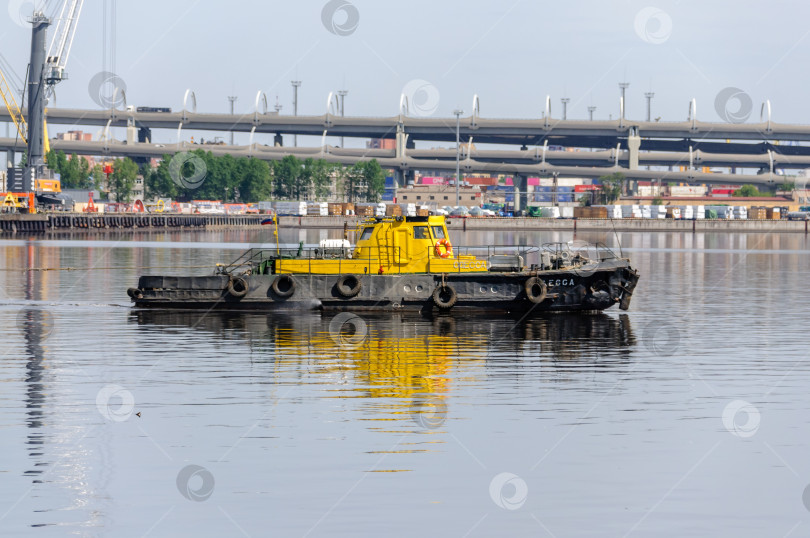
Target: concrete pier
point(529, 223)
point(116, 221)
point(133, 221)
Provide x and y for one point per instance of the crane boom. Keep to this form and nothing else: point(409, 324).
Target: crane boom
point(62, 40)
point(13, 108)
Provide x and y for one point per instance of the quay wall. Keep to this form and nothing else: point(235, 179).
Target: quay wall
point(12, 223)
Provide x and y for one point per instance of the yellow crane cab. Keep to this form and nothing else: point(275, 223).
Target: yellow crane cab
point(384, 246)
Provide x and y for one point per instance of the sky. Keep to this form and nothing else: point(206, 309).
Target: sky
point(512, 54)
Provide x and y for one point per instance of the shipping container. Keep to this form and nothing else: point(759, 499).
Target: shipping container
point(679, 191)
point(298, 209)
point(758, 213)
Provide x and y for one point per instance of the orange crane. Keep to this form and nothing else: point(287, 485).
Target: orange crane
point(45, 71)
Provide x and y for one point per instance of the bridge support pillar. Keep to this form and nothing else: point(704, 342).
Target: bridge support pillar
point(144, 135)
point(278, 140)
point(521, 186)
point(402, 143)
point(633, 145)
point(399, 178)
point(403, 178)
point(132, 134)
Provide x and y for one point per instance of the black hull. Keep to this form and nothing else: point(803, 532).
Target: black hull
point(610, 284)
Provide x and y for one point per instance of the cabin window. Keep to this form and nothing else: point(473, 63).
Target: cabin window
point(432, 197)
point(418, 197)
point(438, 232)
point(420, 232)
point(445, 197)
point(366, 234)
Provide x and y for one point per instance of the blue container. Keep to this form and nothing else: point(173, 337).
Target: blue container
point(389, 182)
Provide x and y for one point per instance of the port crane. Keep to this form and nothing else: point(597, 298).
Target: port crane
point(45, 71)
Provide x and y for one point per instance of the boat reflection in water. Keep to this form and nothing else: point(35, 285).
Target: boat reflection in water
point(408, 364)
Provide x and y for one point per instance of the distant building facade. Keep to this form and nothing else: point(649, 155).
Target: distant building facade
point(381, 143)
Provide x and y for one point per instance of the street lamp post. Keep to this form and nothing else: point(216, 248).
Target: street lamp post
point(623, 87)
point(458, 112)
point(649, 96)
point(342, 94)
point(591, 110)
point(232, 99)
point(565, 101)
point(295, 85)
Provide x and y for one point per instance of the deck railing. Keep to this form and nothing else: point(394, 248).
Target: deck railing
point(391, 259)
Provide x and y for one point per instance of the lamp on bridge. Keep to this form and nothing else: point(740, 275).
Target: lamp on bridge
point(295, 85)
point(565, 101)
point(623, 87)
point(458, 112)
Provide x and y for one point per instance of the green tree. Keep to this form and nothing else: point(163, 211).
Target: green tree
point(99, 178)
point(306, 180)
point(74, 172)
point(158, 183)
point(747, 191)
point(374, 180)
point(611, 187)
point(352, 179)
point(657, 201)
point(122, 179)
point(56, 160)
point(286, 173)
point(255, 180)
point(323, 175)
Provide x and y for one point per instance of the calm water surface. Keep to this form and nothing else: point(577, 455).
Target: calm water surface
point(687, 415)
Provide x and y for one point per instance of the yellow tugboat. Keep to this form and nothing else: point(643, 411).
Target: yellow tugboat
point(404, 263)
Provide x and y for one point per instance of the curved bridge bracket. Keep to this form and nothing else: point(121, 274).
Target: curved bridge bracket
point(105, 134)
point(476, 111)
point(766, 107)
point(332, 107)
point(261, 98)
point(189, 93)
point(547, 113)
point(250, 142)
point(116, 91)
point(404, 109)
point(693, 113)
